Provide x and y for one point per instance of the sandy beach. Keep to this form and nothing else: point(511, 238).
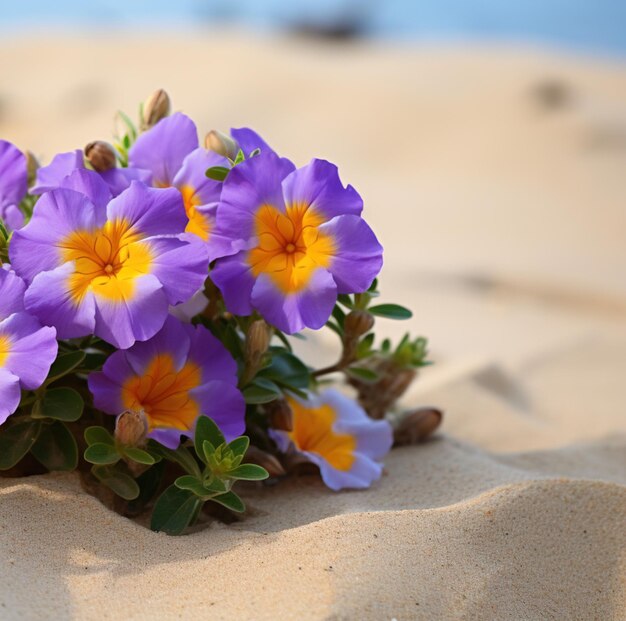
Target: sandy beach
point(503, 220)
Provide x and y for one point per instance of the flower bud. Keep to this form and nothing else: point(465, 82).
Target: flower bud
point(221, 143)
point(32, 165)
point(100, 155)
point(257, 342)
point(358, 323)
point(279, 415)
point(416, 426)
point(155, 108)
point(131, 428)
point(255, 455)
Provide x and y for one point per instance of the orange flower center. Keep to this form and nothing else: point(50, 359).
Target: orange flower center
point(162, 393)
point(5, 349)
point(291, 246)
point(313, 432)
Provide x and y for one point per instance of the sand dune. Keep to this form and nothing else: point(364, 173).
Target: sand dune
point(503, 225)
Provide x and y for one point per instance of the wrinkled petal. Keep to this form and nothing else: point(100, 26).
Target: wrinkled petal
point(318, 185)
point(90, 184)
point(162, 149)
point(49, 298)
point(33, 349)
point(358, 257)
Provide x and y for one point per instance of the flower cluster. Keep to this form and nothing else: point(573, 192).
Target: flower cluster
point(158, 281)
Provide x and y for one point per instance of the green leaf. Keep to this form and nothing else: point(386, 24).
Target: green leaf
point(139, 455)
point(94, 361)
point(181, 456)
point(240, 445)
point(231, 501)
point(346, 300)
point(261, 391)
point(284, 340)
point(64, 364)
point(240, 157)
point(122, 484)
point(94, 435)
point(208, 453)
point(391, 311)
point(174, 510)
point(195, 486)
point(249, 472)
point(149, 482)
point(101, 454)
point(217, 173)
point(286, 369)
point(360, 373)
point(60, 404)
point(16, 440)
point(56, 448)
point(206, 430)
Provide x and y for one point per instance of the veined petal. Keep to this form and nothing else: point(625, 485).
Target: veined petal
point(358, 257)
point(317, 185)
point(37, 247)
point(126, 318)
point(51, 299)
point(149, 211)
point(33, 349)
point(162, 149)
point(10, 394)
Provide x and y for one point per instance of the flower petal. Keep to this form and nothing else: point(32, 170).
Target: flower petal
point(10, 394)
point(12, 289)
point(33, 349)
point(214, 359)
point(318, 185)
point(13, 174)
point(192, 175)
point(248, 140)
point(233, 278)
point(90, 184)
point(162, 149)
point(49, 177)
point(49, 298)
point(358, 257)
point(225, 404)
point(106, 386)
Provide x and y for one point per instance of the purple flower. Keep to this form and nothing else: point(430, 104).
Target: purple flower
point(13, 184)
point(26, 348)
point(107, 267)
point(53, 176)
point(299, 241)
point(170, 151)
point(333, 432)
point(181, 373)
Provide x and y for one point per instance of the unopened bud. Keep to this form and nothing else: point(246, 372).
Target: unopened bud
point(32, 165)
point(221, 143)
point(257, 341)
point(280, 415)
point(255, 455)
point(100, 155)
point(155, 108)
point(131, 428)
point(417, 425)
point(358, 323)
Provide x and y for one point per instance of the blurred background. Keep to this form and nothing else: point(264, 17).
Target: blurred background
point(487, 138)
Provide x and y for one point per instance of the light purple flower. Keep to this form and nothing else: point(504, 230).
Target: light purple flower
point(298, 241)
point(171, 152)
point(107, 267)
point(181, 373)
point(334, 432)
point(26, 348)
point(53, 176)
point(13, 184)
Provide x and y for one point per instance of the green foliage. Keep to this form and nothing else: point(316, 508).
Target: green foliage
point(64, 364)
point(391, 311)
point(55, 447)
point(179, 505)
point(16, 439)
point(59, 404)
point(217, 173)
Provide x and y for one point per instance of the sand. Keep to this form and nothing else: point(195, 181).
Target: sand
point(503, 224)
